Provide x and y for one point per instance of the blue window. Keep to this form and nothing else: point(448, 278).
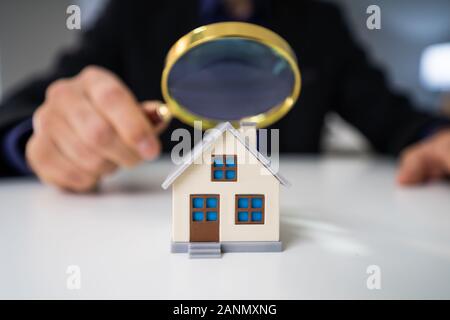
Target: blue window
point(257, 216)
point(197, 202)
point(218, 175)
point(230, 161)
point(205, 208)
point(230, 174)
point(211, 202)
point(224, 168)
point(242, 202)
point(242, 216)
point(218, 162)
point(197, 216)
point(249, 209)
point(256, 202)
point(211, 216)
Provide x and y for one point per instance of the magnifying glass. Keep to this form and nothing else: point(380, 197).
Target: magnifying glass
point(230, 71)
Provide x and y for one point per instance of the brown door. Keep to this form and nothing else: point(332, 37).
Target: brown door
point(204, 217)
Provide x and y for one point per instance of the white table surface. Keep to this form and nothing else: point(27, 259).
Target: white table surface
point(339, 217)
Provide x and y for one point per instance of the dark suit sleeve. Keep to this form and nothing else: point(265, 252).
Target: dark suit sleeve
point(100, 45)
point(388, 120)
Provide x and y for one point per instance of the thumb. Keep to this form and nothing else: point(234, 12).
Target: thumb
point(157, 113)
point(413, 167)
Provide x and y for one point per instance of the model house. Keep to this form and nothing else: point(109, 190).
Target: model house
point(225, 196)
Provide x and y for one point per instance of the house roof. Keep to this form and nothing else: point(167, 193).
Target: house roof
point(207, 143)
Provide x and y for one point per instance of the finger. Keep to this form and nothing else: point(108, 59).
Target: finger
point(437, 173)
point(90, 126)
point(152, 110)
point(52, 168)
point(413, 167)
point(73, 148)
point(116, 103)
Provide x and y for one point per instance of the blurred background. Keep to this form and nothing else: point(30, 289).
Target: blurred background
point(412, 47)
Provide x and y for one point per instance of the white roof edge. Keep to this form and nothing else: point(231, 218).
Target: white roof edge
point(207, 142)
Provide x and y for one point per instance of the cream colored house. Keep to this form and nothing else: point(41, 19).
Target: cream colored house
point(225, 196)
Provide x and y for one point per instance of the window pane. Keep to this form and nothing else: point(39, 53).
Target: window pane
point(211, 216)
point(230, 174)
point(211, 203)
point(197, 203)
point(242, 203)
point(218, 161)
point(243, 216)
point(257, 216)
point(257, 203)
point(230, 161)
point(218, 174)
point(197, 216)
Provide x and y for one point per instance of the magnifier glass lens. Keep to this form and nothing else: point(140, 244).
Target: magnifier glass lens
point(230, 79)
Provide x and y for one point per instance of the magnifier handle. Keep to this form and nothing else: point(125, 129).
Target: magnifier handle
point(158, 114)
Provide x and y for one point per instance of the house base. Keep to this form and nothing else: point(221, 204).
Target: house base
point(234, 246)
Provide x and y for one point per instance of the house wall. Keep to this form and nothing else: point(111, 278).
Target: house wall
point(252, 178)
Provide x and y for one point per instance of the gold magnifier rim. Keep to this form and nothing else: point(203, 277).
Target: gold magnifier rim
point(221, 30)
